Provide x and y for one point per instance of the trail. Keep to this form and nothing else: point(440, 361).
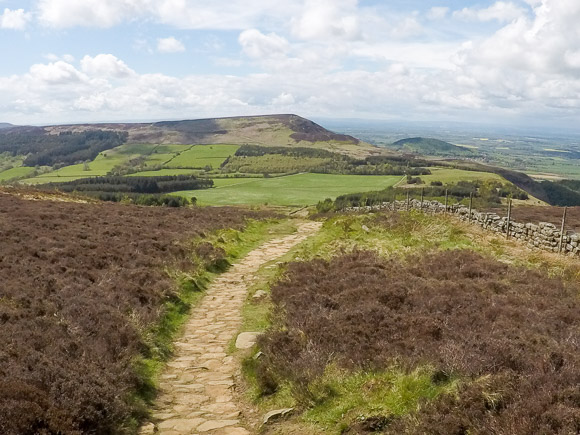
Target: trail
point(196, 389)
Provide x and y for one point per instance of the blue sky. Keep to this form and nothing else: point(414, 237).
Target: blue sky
point(512, 61)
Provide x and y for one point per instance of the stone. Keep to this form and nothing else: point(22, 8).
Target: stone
point(260, 294)
point(187, 425)
point(232, 431)
point(276, 415)
point(246, 340)
point(148, 429)
point(216, 424)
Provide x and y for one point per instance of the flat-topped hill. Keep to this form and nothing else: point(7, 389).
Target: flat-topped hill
point(268, 130)
point(429, 146)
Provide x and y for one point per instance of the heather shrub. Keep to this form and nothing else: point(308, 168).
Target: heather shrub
point(80, 285)
point(509, 333)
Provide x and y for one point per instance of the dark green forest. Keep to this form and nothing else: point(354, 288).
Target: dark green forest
point(116, 184)
point(62, 149)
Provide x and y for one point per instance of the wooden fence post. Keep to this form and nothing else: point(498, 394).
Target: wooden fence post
point(408, 200)
point(509, 216)
point(562, 230)
point(470, 206)
point(422, 197)
point(446, 200)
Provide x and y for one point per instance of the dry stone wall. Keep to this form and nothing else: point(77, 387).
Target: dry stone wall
point(543, 235)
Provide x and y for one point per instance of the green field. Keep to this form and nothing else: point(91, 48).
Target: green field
point(15, 173)
point(165, 172)
point(446, 175)
point(100, 166)
point(200, 156)
point(293, 190)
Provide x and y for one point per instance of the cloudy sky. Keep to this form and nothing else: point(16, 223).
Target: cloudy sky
point(507, 61)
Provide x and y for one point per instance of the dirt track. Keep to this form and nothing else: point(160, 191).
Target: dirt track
point(196, 389)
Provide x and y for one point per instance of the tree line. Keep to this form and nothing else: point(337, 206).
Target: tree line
point(150, 185)
point(327, 162)
point(486, 194)
point(66, 148)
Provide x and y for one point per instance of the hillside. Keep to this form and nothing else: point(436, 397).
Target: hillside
point(429, 146)
point(269, 130)
point(5, 125)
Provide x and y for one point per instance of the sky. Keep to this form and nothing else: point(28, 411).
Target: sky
point(507, 62)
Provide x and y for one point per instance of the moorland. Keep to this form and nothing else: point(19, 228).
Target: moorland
point(379, 322)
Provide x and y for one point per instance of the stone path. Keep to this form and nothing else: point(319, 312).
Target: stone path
point(196, 389)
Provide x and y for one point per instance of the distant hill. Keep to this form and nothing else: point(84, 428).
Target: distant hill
point(5, 125)
point(269, 130)
point(429, 146)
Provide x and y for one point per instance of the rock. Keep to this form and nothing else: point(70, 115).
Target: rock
point(148, 429)
point(216, 424)
point(258, 355)
point(246, 340)
point(276, 415)
point(365, 229)
point(260, 294)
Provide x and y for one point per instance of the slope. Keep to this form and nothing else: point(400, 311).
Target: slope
point(269, 130)
point(429, 146)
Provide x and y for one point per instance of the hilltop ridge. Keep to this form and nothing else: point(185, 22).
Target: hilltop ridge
point(265, 130)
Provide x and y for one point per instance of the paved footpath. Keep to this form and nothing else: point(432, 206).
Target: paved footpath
point(196, 388)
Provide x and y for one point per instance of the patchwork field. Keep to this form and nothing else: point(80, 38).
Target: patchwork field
point(172, 159)
point(293, 190)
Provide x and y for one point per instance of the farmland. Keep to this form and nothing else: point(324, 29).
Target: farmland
point(18, 172)
point(202, 155)
point(446, 175)
point(298, 190)
point(142, 160)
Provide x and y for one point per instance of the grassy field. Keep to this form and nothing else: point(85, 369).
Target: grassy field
point(446, 175)
point(200, 156)
point(155, 155)
point(15, 173)
point(100, 166)
point(301, 189)
point(165, 172)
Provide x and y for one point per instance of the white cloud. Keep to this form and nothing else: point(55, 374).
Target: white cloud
point(406, 28)
point(530, 64)
point(105, 65)
point(170, 45)
point(186, 14)
point(328, 19)
point(284, 99)
point(500, 11)
point(327, 57)
point(56, 73)
point(14, 19)
point(438, 12)
point(259, 46)
point(90, 13)
point(68, 58)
